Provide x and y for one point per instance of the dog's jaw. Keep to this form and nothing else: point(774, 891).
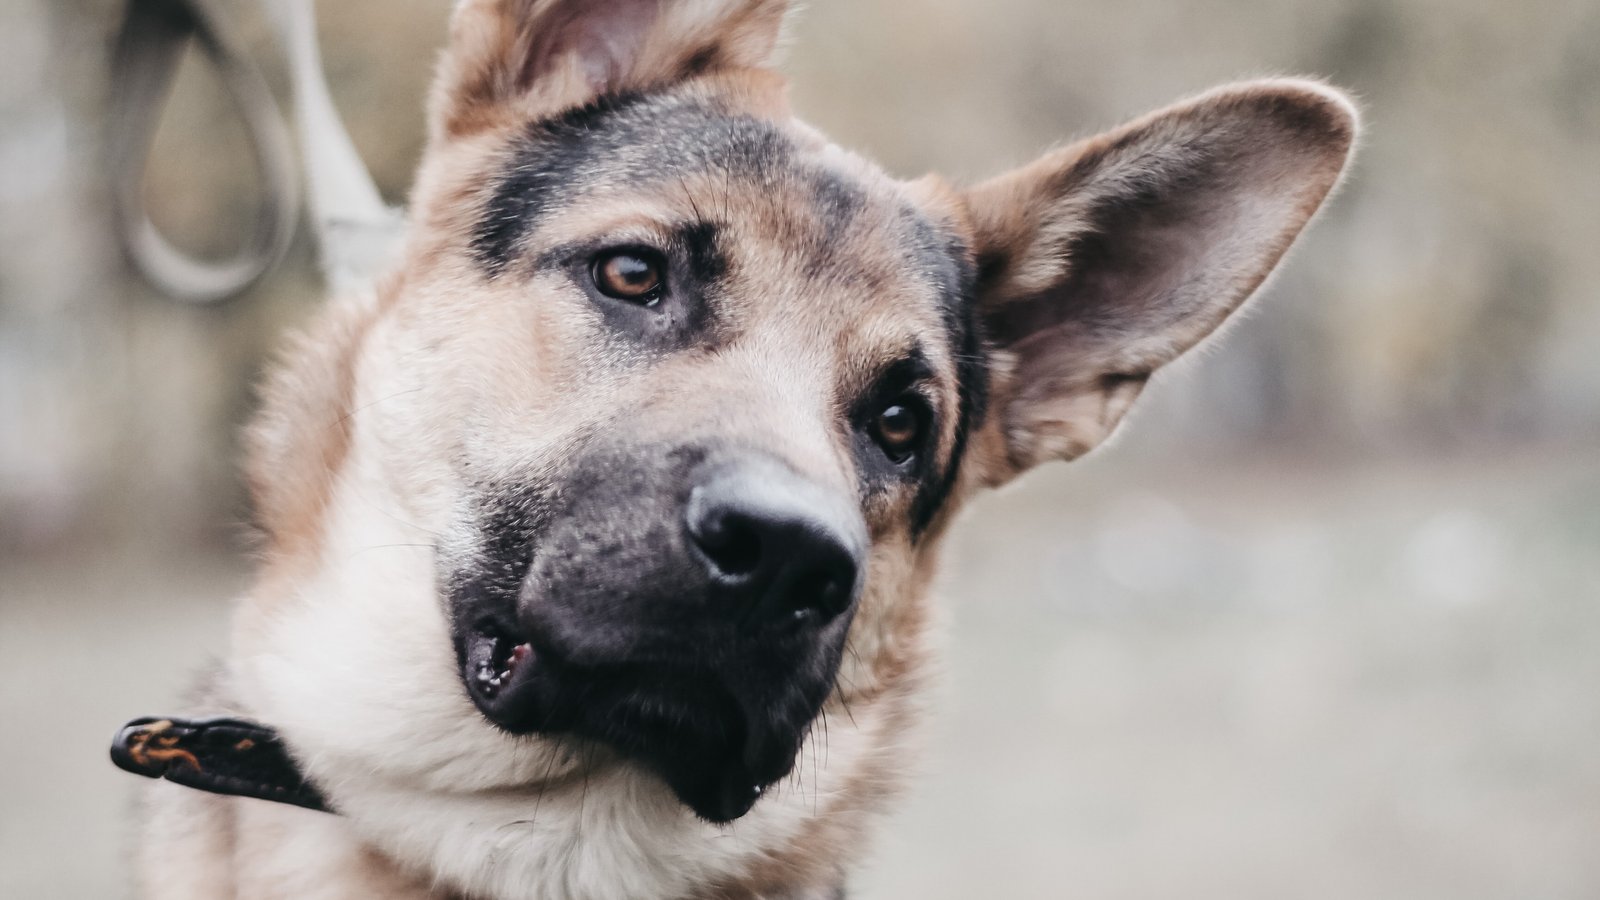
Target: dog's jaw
point(385, 728)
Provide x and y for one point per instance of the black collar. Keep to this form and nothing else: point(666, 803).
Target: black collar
point(223, 756)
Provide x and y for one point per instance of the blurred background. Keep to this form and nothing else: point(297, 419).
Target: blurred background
point(1324, 621)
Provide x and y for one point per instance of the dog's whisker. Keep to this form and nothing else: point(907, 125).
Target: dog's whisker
point(397, 546)
point(555, 751)
point(826, 737)
point(381, 510)
point(688, 196)
point(351, 413)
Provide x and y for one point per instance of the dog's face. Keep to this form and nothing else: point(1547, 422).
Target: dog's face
point(721, 377)
point(685, 394)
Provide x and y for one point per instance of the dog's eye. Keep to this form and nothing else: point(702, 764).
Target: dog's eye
point(634, 275)
point(898, 428)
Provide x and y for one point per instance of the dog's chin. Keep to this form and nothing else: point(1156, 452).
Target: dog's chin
point(718, 751)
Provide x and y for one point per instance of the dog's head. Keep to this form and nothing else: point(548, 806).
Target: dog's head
point(683, 395)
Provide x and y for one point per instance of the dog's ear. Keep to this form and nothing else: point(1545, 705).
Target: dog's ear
point(1104, 261)
point(538, 57)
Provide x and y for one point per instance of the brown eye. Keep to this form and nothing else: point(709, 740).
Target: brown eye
point(898, 429)
point(632, 275)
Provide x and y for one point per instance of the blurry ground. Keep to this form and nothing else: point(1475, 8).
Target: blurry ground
point(1250, 683)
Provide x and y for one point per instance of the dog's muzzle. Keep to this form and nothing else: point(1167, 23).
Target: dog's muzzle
point(691, 616)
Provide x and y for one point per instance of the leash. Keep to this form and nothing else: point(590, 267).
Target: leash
point(149, 47)
point(356, 232)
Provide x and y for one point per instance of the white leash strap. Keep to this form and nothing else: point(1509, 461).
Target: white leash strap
point(356, 232)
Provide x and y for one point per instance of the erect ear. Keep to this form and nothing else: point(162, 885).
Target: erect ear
point(1106, 260)
point(542, 56)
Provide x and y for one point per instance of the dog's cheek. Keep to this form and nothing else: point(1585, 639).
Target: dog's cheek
point(890, 626)
point(355, 666)
point(467, 381)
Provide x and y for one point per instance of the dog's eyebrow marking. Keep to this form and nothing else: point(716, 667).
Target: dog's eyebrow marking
point(708, 263)
point(549, 157)
point(700, 244)
point(838, 200)
point(631, 137)
point(905, 368)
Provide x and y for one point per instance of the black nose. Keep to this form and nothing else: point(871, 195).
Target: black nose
point(781, 547)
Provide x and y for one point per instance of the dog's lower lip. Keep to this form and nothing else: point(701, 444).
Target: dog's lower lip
point(681, 721)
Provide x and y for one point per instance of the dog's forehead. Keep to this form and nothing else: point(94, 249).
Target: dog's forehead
point(766, 184)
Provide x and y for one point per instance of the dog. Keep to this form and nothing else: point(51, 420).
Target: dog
point(598, 536)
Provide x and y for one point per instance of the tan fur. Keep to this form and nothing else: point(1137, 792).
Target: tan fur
point(377, 424)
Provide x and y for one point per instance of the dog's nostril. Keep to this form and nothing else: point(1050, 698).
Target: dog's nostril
point(730, 543)
point(822, 591)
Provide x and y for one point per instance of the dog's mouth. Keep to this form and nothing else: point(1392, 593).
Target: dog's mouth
point(717, 746)
point(493, 662)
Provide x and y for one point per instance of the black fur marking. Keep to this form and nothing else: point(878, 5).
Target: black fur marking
point(703, 60)
point(549, 158)
point(707, 262)
point(956, 280)
point(838, 200)
point(708, 265)
point(630, 138)
point(483, 587)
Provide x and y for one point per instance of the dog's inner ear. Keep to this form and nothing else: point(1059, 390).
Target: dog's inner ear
point(538, 57)
point(1106, 260)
